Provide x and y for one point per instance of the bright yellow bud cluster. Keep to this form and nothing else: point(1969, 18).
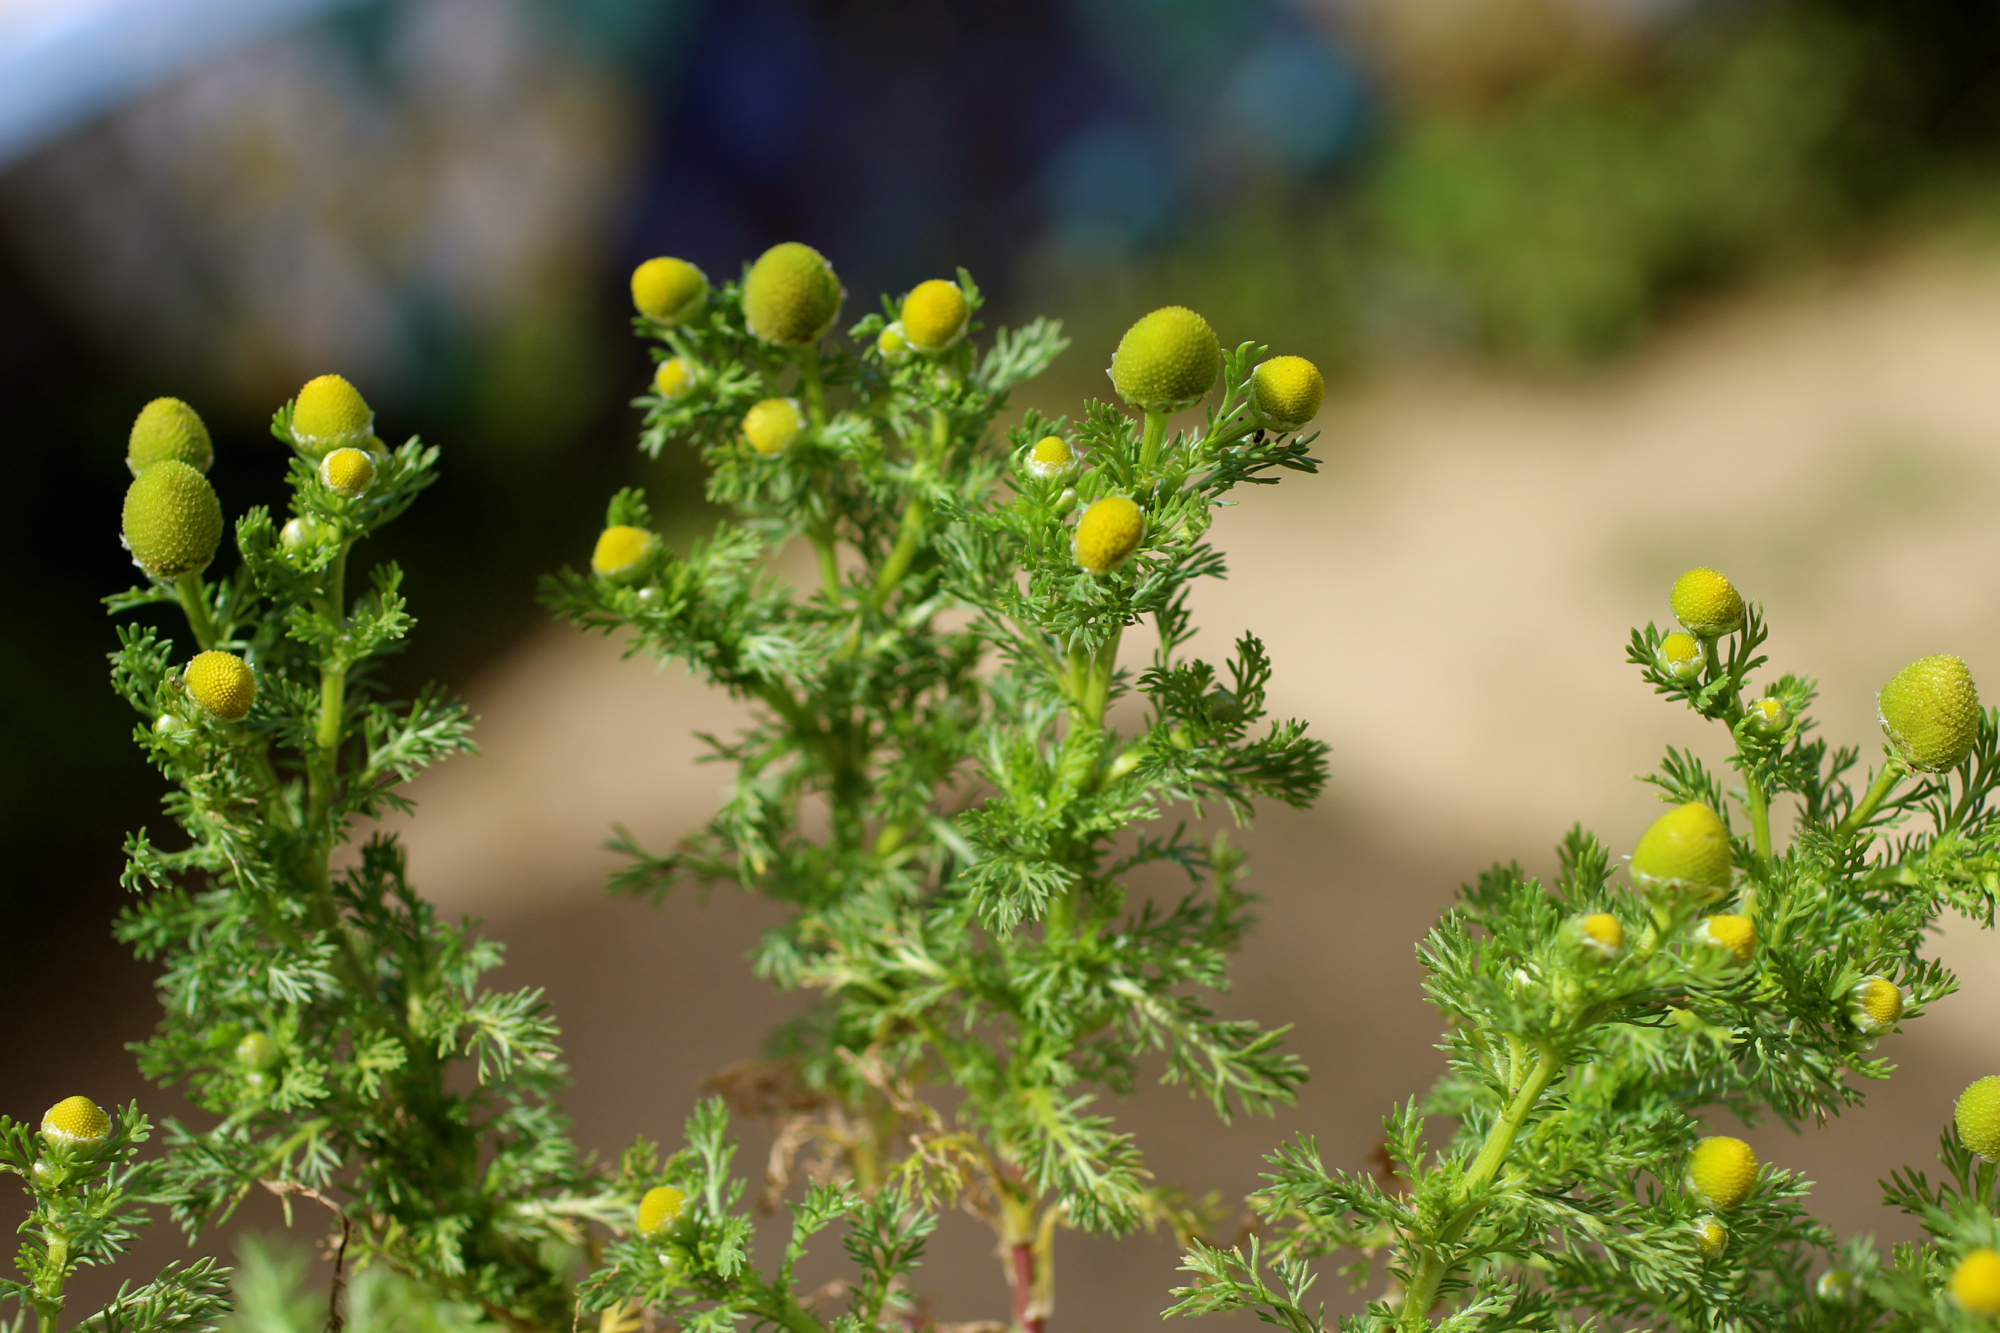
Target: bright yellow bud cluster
point(622, 551)
point(1707, 603)
point(1686, 851)
point(670, 290)
point(1738, 934)
point(76, 1120)
point(1975, 1283)
point(168, 428)
point(770, 426)
point(223, 684)
point(1602, 933)
point(674, 377)
point(348, 473)
point(658, 1209)
point(1978, 1117)
point(1286, 392)
point(330, 412)
point(1722, 1171)
point(1930, 713)
point(1050, 457)
point(791, 297)
point(935, 315)
point(1875, 1004)
point(1108, 533)
point(1167, 360)
point(173, 522)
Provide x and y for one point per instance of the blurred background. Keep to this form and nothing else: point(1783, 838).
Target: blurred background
point(1605, 288)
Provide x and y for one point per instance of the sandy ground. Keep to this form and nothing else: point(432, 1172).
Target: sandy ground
point(1447, 604)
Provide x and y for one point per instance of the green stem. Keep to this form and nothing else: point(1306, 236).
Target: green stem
point(1885, 782)
point(194, 601)
point(815, 387)
point(1433, 1268)
point(1149, 447)
point(48, 1300)
point(1759, 801)
point(909, 536)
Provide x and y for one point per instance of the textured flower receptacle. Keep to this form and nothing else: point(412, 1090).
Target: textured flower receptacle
point(1686, 851)
point(1930, 713)
point(1601, 933)
point(1108, 533)
point(1680, 657)
point(1707, 603)
point(76, 1121)
point(1875, 1005)
point(1978, 1117)
point(168, 428)
point(935, 315)
point(1722, 1171)
point(791, 297)
point(770, 427)
point(658, 1209)
point(1286, 392)
point(1050, 457)
point(1166, 361)
point(1711, 1237)
point(223, 684)
point(1737, 934)
point(173, 522)
point(672, 291)
point(623, 552)
point(1975, 1283)
point(329, 413)
point(674, 377)
point(348, 473)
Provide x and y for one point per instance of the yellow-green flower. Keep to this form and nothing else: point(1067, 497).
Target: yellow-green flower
point(893, 346)
point(1680, 657)
point(173, 522)
point(328, 413)
point(1930, 713)
point(1286, 392)
point(1978, 1117)
point(223, 684)
point(1975, 1283)
point(1166, 361)
point(1686, 851)
point(1875, 1005)
point(1108, 533)
point(1051, 456)
point(1738, 934)
point(256, 1051)
point(1601, 933)
point(791, 297)
point(1711, 1237)
point(623, 552)
point(1722, 1171)
point(935, 315)
point(674, 377)
point(77, 1121)
point(772, 425)
point(1707, 603)
point(348, 473)
point(168, 428)
point(672, 291)
point(658, 1209)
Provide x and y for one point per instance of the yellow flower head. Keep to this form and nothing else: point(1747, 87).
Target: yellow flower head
point(1602, 933)
point(892, 346)
point(173, 522)
point(329, 413)
point(935, 314)
point(1975, 1283)
point(1108, 533)
point(1707, 603)
point(1875, 1005)
point(1978, 1117)
point(772, 425)
point(1685, 851)
point(348, 473)
point(674, 377)
point(1050, 457)
point(658, 1209)
point(77, 1121)
point(1738, 934)
point(1680, 656)
point(623, 551)
point(672, 291)
point(1286, 392)
point(1930, 713)
point(1769, 716)
point(791, 297)
point(223, 684)
point(1711, 1237)
point(168, 428)
point(1722, 1171)
point(1166, 361)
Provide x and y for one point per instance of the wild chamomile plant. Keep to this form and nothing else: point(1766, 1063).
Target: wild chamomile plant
point(934, 784)
point(315, 1005)
point(1593, 1022)
point(89, 1194)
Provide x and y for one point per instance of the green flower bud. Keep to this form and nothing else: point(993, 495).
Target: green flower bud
point(330, 413)
point(1166, 361)
point(1066, 501)
point(257, 1051)
point(1707, 603)
point(77, 1121)
point(301, 534)
point(1050, 457)
point(1875, 1005)
point(770, 427)
point(168, 428)
point(1975, 1283)
point(1711, 1237)
point(791, 297)
point(1722, 1171)
point(1108, 533)
point(170, 729)
point(1686, 851)
point(658, 1209)
point(1286, 392)
point(1930, 713)
point(1768, 717)
point(672, 291)
point(892, 346)
point(223, 684)
point(674, 377)
point(623, 553)
point(1601, 933)
point(1738, 934)
point(1680, 657)
point(1978, 1117)
point(1836, 1286)
point(348, 473)
point(173, 522)
point(935, 315)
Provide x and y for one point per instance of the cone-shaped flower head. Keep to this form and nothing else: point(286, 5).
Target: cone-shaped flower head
point(935, 314)
point(1711, 1237)
point(893, 347)
point(1050, 457)
point(1286, 392)
point(1685, 851)
point(330, 412)
point(671, 290)
point(168, 428)
point(76, 1120)
point(1108, 533)
point(1738, 934)
point(223, 684)
point(257, 1051)
point(1768, 716)
point(771, 426)
point(1875, 1004)
point(1166, 361)
point(1707, 603)
point(1975, 1283)
point(674, 378)
point(1680, 656)
point(1978, 1117)
point(1601, 933)
point(348, 473)
point(1722, 1171)
point(173, 522)
point(791, 297)
point(658, 1208)
point(623, 552)
point(1930, 713)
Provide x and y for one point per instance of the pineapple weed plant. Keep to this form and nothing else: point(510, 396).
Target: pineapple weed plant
point(935, 792)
